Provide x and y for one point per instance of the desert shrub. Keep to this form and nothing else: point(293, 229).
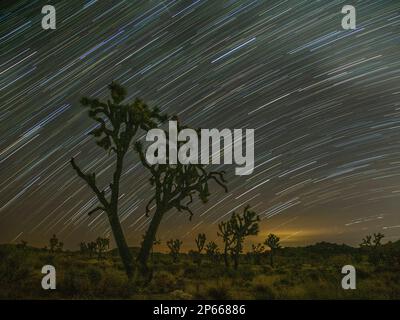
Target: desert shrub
point(362, 273)
point(74, 283)
point(94, 275)
point(219, 292)
point(376, 256)
point(173, 268)
point(247, 273)
point(267, 269)
point(284, 282)
point(262, 287)
point(163, 282)
point(181, 295)
point(116, 285)
point(191, 271)
point(313, 275)
point(14, 266)
point(48, 259)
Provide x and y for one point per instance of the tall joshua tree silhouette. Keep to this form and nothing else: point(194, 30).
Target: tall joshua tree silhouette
point(175, 185)
point(118, 124)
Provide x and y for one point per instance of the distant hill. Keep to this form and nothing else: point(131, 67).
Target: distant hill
point(320, 248)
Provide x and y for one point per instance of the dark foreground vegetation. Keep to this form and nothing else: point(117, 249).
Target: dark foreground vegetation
point(312, 272)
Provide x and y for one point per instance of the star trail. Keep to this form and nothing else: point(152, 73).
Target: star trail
point(324, 103)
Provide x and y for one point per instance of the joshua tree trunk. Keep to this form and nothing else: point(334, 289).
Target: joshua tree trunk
point(226, 260)
point(236, 258)
point(111, 208)
point(271, 258)
point(148, 240)
point(114, 219)
point(123, 248)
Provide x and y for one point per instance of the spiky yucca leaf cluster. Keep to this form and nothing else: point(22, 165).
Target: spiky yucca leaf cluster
point(118, 122)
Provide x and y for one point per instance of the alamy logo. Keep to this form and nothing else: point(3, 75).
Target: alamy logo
point(49, 20)
point(49, 280)
point(349, 280)
point(184, 147)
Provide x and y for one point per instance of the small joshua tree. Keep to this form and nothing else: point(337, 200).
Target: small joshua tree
point(176, 186)
point(366, 242)
point(53, 243)
point(174, 247)
point(92, 248)
point(117, 125)
point(234, 231)
point(200, 242)
point(212, 251)
point(226, 233)
point(101, 245)
point(272, 242)
point(257, 251)
point(377, 239)
point(373, 247)
point(242, 226)
point(83, 248)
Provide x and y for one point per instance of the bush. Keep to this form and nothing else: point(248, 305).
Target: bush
point(14, 267)
point(181, 295)
point(74, 283)
point(219, 292)
point(262, 288)
point(163, 282)
point(116, 285)
point(191, 271)
point(94, 275)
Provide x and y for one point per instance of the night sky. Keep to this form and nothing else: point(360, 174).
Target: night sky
point(324, 103)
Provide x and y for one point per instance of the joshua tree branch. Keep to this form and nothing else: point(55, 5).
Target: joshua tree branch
point(90, 179)
point(96, 209)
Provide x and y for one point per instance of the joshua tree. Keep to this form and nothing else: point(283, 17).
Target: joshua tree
point(176, 186)
point(101, 245)
point(83, 248)
point(60, 246)
point(377, 239)
point(174, 247)
point(257, 251)
point(272, 242)
point(373, 247)
point(366, 242)
point(242, 226)
point(92, 248)
point(117, 125)
point(200, 242)
point(212, 251)
point(53, 243)
point(226, 233)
